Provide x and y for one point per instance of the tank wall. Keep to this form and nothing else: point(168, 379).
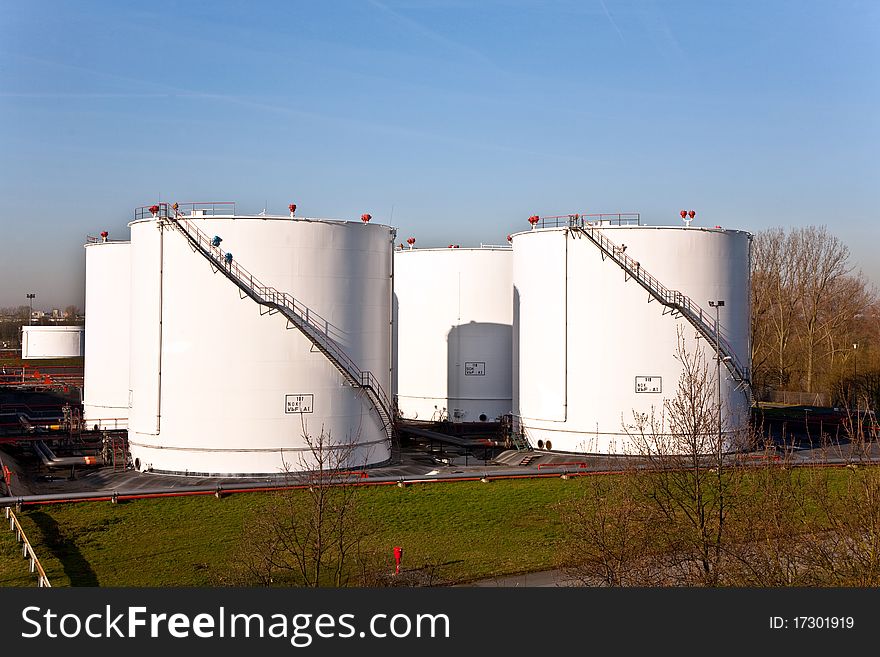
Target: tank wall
point(620, 351)
point(239, 389)
point(108, 290)
point(144, 373)
point(453, 323)
point(540, 288)
point(51, 342)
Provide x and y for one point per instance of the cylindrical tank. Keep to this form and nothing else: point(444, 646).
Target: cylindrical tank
point(108, 289)
point(454, 320)
point(51, 342)
point(222, 386)
point(594, 352)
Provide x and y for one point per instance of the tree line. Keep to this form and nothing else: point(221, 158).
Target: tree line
point(814, 317)
point(683, 513)
point(12, 318)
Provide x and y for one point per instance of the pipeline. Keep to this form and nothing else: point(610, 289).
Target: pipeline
point(223, 489)
point(47, 456)
point(218, 490)
point(451, 440)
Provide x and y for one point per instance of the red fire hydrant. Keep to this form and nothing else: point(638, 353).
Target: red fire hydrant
point(398, 555)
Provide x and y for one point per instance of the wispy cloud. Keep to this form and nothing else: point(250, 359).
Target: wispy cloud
point(146, 89)
point(664, 37)
point(83, 95)
point(447, 43)
point(384, 128)
point(611, 20)
point(64, 66)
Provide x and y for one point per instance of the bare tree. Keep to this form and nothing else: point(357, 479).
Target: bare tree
point(71, 315)
point(822, 274)
point(771, 527)
point(609, 535)
point(845, 548)
point(774, 274)
point(808, 307)
point(684, 475)
point(314, 534)
point(665, 520)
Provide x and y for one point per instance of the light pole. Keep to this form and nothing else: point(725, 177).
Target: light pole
point(717, 304)
point(31, 297)
point(855, 383)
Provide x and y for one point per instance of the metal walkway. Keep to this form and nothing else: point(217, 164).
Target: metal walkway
point(310, 324)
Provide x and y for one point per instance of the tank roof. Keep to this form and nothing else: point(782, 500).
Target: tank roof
point(108, 242)
point(482, 247)
point(707, 229)
point(267, 217)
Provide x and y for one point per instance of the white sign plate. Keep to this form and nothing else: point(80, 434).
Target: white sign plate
point(299, 403)
point(649, 384)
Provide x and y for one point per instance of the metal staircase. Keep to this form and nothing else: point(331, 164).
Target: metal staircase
point(512, 430)
point(673, 299)
point(312, 325)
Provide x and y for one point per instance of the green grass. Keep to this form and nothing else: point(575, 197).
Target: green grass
point(13, 566)
point(467, 530)
point(472, 530)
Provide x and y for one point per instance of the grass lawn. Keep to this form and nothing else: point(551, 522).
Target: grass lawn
point(13, 566)
point(462, 531)
point(472, 530)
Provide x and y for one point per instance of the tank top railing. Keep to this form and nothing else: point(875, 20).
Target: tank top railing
point(699, 318)
point(194, 209)
point(582, 220)
point(315, 327)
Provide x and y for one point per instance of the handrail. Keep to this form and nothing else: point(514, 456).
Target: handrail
point(579, 220)
point(205, 209)
point(315, 327)
point(692, 311)
point(94, 239)
point(513, 426)
point(27, 549)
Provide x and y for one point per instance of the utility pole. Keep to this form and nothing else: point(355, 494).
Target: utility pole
point(717, 304)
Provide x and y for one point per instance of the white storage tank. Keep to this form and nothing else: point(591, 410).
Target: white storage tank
point(222, 385)
point(592, 346)
point(51, 342)
point(108, 290)
point(453, 328)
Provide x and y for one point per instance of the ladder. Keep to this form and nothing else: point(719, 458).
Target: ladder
point(512, 429)
point(673, 299)
point(317, 329)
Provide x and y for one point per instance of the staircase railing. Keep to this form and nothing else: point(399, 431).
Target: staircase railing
point(513, 430)
point(316, 328)
point(673, 299)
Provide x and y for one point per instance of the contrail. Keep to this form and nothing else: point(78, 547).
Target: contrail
point(610, 19)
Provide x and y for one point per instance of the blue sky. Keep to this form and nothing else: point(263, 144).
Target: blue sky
point(464, 118)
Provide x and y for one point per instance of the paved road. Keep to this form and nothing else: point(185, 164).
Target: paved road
point(541, 579)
